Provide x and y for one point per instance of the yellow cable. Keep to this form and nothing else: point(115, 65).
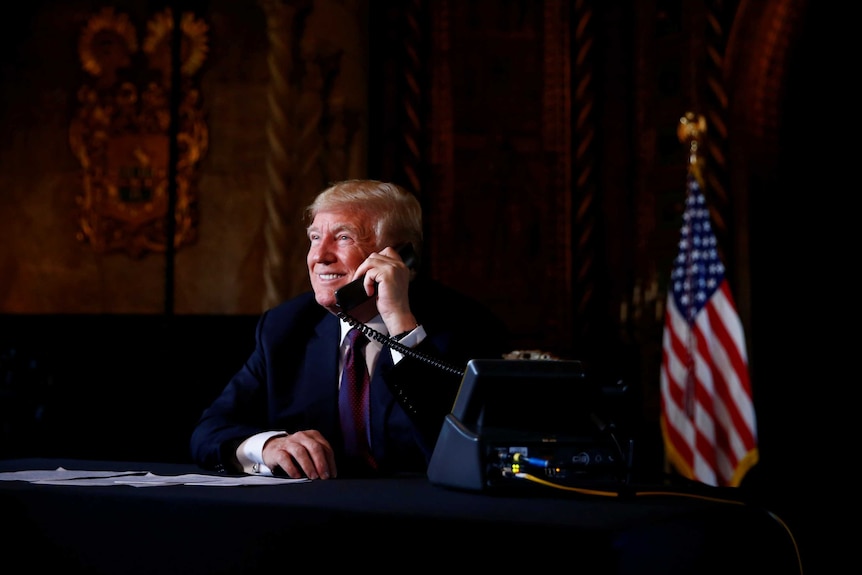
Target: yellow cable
point(605, 493)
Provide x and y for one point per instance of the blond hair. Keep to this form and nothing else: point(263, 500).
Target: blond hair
point(395, 214)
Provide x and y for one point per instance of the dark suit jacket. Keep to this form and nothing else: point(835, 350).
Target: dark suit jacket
point(290, 381)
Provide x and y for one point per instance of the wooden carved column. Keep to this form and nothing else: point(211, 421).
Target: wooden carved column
point(442, 149)
point(311, 130)
point(585, 205)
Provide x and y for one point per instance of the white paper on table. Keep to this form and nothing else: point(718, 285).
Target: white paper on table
point(61, 476)
point(34, 475)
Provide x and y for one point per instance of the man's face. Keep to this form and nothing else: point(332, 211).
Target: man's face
point(335, 252)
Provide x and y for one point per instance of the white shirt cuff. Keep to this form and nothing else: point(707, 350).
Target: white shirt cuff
point(250, 453)
point(412, 339)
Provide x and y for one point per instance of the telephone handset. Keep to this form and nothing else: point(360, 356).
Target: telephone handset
point(353, 294)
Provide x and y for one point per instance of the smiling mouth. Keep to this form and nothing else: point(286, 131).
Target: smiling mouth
point(329, 277)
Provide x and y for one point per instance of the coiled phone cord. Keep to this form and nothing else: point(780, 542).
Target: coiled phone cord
point(397, 346)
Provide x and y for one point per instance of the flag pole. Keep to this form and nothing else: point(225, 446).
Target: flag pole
point(690, 131)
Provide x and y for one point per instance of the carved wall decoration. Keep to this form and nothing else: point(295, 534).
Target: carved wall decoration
point(121, 133)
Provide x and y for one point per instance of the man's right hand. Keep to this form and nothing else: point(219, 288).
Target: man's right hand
point(301, 454)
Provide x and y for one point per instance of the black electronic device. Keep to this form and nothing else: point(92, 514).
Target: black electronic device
point(353, 294)
point(511, 416)
point(539, 417)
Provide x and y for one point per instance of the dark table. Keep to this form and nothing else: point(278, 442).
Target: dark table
point(400, 524)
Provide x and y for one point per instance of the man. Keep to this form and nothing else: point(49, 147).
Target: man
point(279, 414)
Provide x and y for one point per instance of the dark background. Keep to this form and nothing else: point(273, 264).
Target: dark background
point(541, 139)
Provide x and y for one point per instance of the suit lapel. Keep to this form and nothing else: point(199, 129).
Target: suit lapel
point(321, 372)
point(382, 403)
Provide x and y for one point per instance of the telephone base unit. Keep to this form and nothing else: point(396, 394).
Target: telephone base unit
point(495, 459)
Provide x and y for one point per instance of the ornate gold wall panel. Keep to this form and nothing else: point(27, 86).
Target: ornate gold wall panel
point(121, 133)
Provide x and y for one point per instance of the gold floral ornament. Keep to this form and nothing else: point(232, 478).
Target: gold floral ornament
point(193, 47)
point(107, 43)
point(121, 133)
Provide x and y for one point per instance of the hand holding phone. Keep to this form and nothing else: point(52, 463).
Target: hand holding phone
point(353, 294)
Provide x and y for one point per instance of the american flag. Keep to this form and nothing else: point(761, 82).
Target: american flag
point(707, 415)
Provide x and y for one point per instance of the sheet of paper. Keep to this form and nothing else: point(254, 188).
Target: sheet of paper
point(60, 473)
point(61, 476)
